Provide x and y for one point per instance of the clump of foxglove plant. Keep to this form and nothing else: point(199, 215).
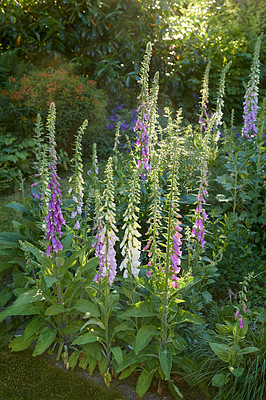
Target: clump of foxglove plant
point(54, 218)
point(250, 129)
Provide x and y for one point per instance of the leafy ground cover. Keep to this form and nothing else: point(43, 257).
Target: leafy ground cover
point(153, 269)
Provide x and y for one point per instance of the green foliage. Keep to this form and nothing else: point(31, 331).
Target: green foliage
point(76, 98)
point(108, 40)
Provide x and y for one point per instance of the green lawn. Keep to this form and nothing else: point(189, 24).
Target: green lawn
point(23, 377)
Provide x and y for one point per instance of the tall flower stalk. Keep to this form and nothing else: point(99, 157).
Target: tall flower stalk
point(106, 230)
point(77, 181)
point(173, 252)
point(54, 218)
point(130, 245)
point(141, 128)
point(250, 129)
point(219, 110)
point(155, 216)
point(203, 118)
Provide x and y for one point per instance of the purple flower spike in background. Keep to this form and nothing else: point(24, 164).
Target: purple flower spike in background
point(250, 129)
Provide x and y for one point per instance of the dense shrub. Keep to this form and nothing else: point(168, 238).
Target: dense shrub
point(77, 98)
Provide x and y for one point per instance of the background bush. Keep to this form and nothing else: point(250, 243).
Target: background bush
point(76, 98)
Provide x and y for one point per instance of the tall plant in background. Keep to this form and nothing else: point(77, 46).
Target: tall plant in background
point(142, 128)
point(250, 129)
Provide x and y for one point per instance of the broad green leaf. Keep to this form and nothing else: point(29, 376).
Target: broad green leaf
point(103, 365)
point(91, 264)
point(118, 354)
point(18, 207)
point(32, 328)
point(25, 309)
point(179, 343)
point(92, 363)
point(50, 280)
point(19, 279)
point(87, 307)
point(55, 309)
point(236, 371)
point(144, 382)
point(221, 350)
point(220, 380)
point(144, 335)
point(186, 316)
point(248, 350)
point(123, 328)
point(45, 339)
point(188, 198)
point(132, 359)
point(72, 327)
point(20, 343)
point(84, 361)
point(4, 266)
point(127, 372)
point(5, 296)
point(93, 321)
point(73, 359)
point(31, 296)
point(40, 256)
point(67, 241)
point(86, 338)
point(141, 309)
point(10, 238)
point(166, 357)
point(93, 349)
point(175, 390)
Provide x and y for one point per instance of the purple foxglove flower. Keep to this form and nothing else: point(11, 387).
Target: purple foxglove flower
point(237, 314)
point(241, 323)
point(205, 216)
point(77, 225)
point(48, 251)
point(73, 214)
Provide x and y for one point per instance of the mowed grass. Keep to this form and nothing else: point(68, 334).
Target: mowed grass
point(23, 377)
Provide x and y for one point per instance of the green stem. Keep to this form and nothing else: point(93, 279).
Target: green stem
point(235, 184)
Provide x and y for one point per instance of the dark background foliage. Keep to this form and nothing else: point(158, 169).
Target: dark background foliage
point(107, 40)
